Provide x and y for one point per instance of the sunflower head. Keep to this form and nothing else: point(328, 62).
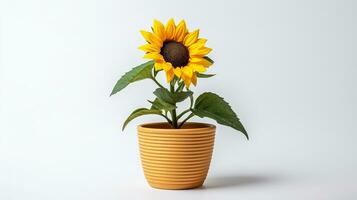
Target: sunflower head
point(176, 51)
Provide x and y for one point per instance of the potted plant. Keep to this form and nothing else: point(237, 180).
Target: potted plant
point(176, 154)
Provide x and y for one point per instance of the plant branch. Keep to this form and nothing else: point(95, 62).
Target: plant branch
point(157, 83)
point(173, 112)
point(179, 85)
point(183, 113)
point(168, 120)
point(189, 117)
point(191, 101)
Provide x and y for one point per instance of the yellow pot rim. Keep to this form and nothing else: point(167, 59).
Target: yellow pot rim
point(196, 126)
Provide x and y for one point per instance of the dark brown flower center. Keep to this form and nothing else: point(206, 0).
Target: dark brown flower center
point(175, 53)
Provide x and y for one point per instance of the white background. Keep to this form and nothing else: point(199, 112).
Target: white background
point(288, 68)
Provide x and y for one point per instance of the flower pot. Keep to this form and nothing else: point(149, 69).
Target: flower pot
point(176, 158)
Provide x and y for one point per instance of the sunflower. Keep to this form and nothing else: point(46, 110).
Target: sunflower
point(177, 51)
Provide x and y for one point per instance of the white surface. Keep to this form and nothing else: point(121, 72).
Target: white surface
point(287, 67)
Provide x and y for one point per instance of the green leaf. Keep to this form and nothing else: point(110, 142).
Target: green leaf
point(199, 75)
point(209, 59)
point(138, 73)
point(161, 105)
point(213, 106)
point(171, 98)
point(139, 112)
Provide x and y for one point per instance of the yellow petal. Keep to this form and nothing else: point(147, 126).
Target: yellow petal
point(155, 56)
point(198, 68)
point(180, 31)
point(194, 79)
point(178, 72)
point(159, 30)
point(169, 75)
point(200, 52)
point(200, 61)
point(151, 38)
point(170, 29)
point(167, 66)
point(187, 71)
point(158, 66)
point(191, 38)
point(198, 44)
point(201, 41)
point(186, 80)
point(149, 48)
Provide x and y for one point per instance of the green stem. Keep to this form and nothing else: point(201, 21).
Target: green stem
point(191, 102)
point(157, 83)
point(179, 85)
point(183, 113)
point(189, 117)
point(173, 112)
point(188, 110)
point(174, 119)
point(168, 120)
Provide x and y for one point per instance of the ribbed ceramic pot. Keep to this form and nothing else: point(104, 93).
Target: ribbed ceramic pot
point(176, 158)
